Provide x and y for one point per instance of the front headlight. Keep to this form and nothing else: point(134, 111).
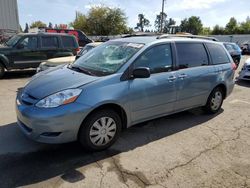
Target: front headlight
point(59, 98)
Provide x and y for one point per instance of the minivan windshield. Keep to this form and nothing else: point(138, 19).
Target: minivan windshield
point(13, 40)
point(107, 58)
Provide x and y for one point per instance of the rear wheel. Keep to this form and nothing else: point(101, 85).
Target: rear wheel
point(214, 101)
point(2, 70)
point(100, 130)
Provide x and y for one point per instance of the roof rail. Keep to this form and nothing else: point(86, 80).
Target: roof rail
point(141, 34)
point(187, 36)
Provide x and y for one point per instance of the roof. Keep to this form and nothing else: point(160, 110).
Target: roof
point(152, 39)
point(41, 34)
point(138, 39)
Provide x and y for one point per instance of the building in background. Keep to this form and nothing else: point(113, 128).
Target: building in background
point(9, 20)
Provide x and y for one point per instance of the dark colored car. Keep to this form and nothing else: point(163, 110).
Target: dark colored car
point(234, 51)
point(245, 48)
point(29, 50)
point(81, 37)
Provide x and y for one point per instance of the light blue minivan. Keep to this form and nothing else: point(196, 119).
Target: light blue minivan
point(121, 83)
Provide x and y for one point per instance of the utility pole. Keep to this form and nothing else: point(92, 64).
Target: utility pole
point(162, 11)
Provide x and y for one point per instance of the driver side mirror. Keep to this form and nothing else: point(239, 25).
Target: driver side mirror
point(141, 72)
point(20, 46)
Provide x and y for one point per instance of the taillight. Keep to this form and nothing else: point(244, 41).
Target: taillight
point(234, 66)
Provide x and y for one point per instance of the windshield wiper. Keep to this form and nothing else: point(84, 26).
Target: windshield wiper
point(81, 69)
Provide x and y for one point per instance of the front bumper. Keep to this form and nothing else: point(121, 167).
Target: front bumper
point(244, 75)
point(51, 125)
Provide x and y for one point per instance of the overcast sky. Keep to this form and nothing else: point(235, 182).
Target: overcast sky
point(211, 12)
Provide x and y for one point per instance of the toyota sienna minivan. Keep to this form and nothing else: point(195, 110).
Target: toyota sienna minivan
point(121, 83)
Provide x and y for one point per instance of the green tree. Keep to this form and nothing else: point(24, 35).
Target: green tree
point(37, 24)
point(80, 22)
point(244, 27)
point(142, 22)
point(101, 20)
point(191, 25)
point(170, 22)
point(232, 26)
point(206, 31)
point(162, 16)
point(50, 25)
point(217, 30)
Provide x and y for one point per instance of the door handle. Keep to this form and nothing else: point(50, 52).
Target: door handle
point(182, 76)
point(171, 78)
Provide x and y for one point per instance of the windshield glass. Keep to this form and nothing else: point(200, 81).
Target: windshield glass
point(13, 40)
point(85, 50)
point(108, 58)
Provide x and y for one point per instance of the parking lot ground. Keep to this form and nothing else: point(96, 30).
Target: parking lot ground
point(188, 149)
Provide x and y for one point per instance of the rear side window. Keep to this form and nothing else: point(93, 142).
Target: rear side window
point(229, 47)
point(158, 59)
point(218, 54)
point(191, 55)
point(49, 42)
point(68, 41)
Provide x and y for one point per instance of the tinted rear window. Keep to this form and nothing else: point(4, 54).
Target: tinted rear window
point(49, 42)
point(218, 54)
point(191, 55)
point(68, 41)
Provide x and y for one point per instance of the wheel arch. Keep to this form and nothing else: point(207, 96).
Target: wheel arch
point(113, 106)
point(3, 61)
point(224, 89)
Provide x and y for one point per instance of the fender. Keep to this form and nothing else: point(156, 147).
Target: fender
point(4, 60)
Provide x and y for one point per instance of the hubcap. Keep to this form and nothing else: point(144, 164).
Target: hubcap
point(102, 131)
point(216, 100)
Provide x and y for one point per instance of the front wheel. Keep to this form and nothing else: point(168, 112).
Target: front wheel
point(214, 101)
point(100, 130)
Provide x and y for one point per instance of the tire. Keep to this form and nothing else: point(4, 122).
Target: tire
point(100, 127)
point(2, 70)
point(215, 101)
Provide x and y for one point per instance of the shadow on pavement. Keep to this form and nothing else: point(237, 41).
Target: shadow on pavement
point(20, 169)
point(18, 74)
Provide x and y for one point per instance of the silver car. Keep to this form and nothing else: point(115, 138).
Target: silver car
point(245, 71)
point(121, 83)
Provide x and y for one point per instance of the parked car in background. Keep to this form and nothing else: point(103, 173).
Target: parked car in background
point(80, 35)
point(50, 63)
point(87, 48)
point(245, 71)
point(29, 50)
point(234, 51)
point(245, 48)
point(121, 83)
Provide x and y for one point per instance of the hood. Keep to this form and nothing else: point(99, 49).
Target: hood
point(54, 80)
point(59, 61)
